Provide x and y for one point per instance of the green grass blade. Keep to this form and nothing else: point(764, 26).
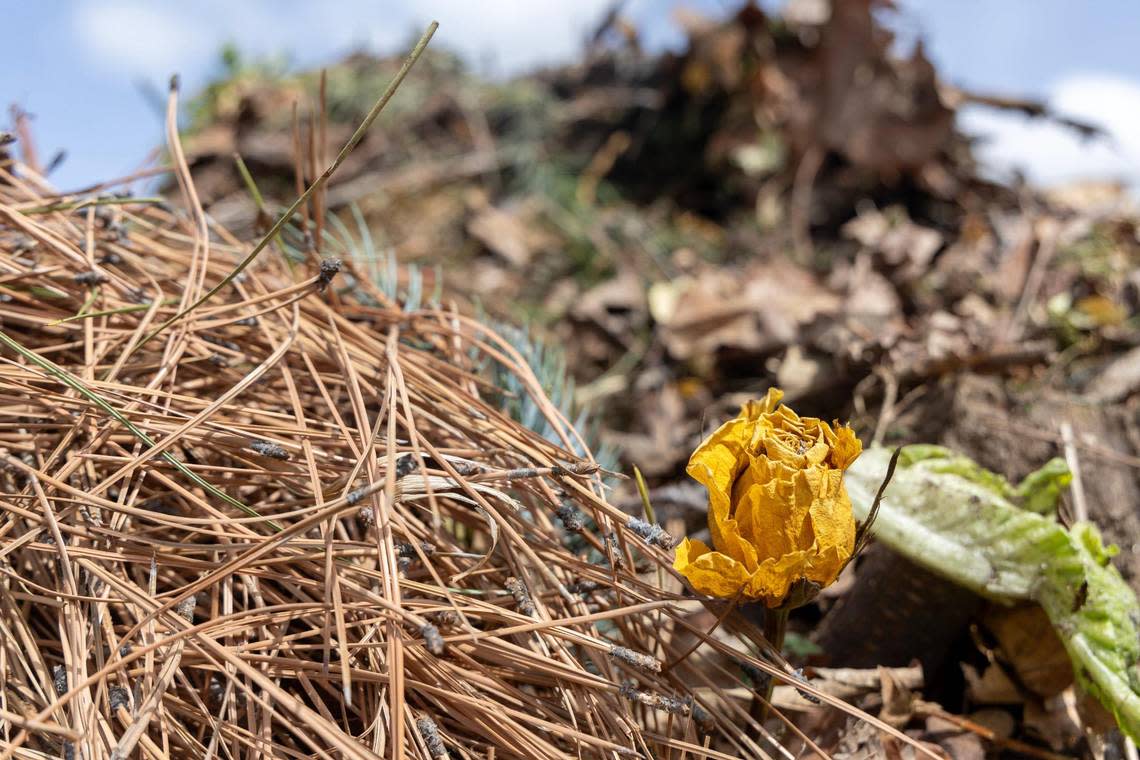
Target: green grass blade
point(75, 383)
point(357, 136)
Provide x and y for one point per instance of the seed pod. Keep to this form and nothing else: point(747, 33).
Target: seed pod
point(432, 640)
point(269, 449)
point(799, 675)
point(613, 550)
point(571, 518)
point(430, 733)
point(523, 602)
point(329, 269)
point(409, 551)
point(90, 278)
point(406, 465)
point(59, 679)
point(118, 697)
point(185, 608)
point(637, 660)
point(671, 705)
point(445, 617)
point(653, 534)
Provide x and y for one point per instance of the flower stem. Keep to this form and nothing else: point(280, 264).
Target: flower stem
point(775, 626)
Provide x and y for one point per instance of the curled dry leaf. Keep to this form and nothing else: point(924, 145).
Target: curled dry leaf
point(757, 311)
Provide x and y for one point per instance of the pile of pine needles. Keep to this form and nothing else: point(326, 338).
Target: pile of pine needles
point(295, 521)
point(258, 501)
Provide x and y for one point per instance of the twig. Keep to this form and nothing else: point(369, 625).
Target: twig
point(1073, 460)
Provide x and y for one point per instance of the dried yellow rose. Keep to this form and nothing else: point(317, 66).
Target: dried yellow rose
point(778, 511)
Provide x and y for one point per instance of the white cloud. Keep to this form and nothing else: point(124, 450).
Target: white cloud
point(155, 39)
point(1051, 154)
point(139, 38)
point(513, 35)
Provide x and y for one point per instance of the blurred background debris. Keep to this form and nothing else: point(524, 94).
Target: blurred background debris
point(789, 198)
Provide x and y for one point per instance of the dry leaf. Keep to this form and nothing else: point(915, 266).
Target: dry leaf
point(1031, 647)
point(759, 310)
point(506, 234)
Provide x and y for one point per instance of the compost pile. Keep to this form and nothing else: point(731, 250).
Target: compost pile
point(785, 202)
point(789, 201)
point(338, 503)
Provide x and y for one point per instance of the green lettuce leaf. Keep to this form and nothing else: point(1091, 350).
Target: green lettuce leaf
point(945, 512)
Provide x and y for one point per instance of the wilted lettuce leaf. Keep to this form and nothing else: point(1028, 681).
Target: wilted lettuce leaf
point(969, 525)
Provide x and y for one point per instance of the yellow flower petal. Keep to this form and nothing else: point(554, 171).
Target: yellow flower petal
point(769, 516)
point(710, 572)
point(818, 452)
point(833, 526)
point(716, 464)
point(771, 581)
point(768, 404)
point(846, 448)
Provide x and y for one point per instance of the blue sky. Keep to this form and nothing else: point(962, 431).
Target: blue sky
point(82, 66)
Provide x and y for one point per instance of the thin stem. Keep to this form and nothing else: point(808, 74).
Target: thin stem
point(76, 384)
point(86, 202)
point(775, 628)
point(357, 136)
